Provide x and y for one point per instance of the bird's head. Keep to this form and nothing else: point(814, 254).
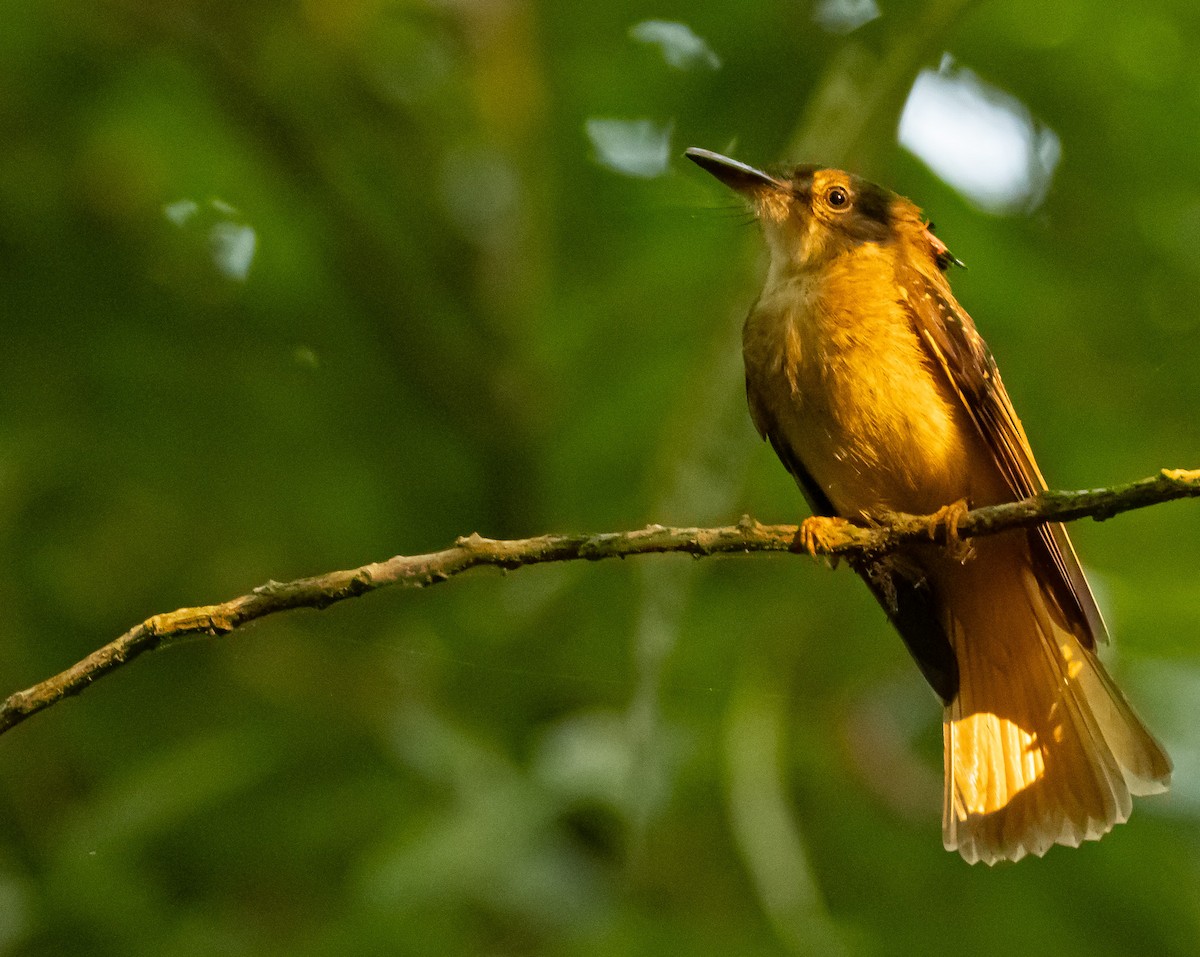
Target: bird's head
point(812, 215)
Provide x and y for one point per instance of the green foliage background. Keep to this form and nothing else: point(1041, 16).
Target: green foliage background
point(457, 320)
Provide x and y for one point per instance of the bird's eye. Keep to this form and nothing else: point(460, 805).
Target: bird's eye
point(837, 197)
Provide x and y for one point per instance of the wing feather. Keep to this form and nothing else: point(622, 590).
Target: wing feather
point(958, 349)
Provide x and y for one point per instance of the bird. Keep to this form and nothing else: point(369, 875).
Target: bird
point(879, 396)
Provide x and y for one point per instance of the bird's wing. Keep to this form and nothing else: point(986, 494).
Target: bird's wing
point(950, 336)
point(764, 423)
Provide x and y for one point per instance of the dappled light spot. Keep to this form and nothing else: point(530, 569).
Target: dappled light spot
point(231, 244)
point(639, 148)
point(979, 139)
point(680, 47)
point(996, 774)
point(1069, 655)
point(844, 16)
point(181, 211)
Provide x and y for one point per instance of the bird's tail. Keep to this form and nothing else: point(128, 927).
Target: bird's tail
point(1041, 747)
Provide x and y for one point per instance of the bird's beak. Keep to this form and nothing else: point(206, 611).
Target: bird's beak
point(735, 175)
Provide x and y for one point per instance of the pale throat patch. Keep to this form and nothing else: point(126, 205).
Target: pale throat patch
point(774, 205)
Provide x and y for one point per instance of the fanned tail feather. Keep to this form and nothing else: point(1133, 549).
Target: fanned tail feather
point(1041, 747)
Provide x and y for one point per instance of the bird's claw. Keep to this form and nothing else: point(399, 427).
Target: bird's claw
point(950, 517)
point(817, 534)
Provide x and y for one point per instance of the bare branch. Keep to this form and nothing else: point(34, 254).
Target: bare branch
point(419, 571)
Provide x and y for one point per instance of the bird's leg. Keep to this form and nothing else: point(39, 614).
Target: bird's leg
point(950, 517)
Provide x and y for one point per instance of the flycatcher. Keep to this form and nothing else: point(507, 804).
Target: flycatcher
point(876, 392)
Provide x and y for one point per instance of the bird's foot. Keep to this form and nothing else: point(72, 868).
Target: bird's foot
point(949, 517)
point(817, 534)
